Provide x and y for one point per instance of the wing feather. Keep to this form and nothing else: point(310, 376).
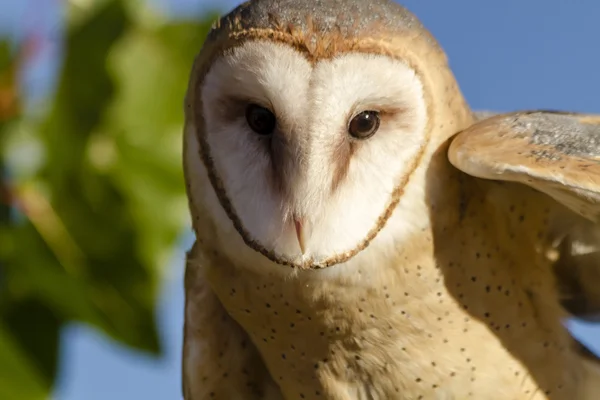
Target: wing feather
point(554, 152)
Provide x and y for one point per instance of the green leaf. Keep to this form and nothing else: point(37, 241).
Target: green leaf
point(19, 377)
point(21, 320)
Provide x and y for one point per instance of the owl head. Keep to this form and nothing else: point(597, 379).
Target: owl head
point(306, 122)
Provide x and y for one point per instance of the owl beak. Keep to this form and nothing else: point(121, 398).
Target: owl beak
point(299, 234)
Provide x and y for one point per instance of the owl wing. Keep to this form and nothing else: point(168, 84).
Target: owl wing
point(219, 360)
point(557, 153)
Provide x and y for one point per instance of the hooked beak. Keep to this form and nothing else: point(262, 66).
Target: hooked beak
point(299, 234)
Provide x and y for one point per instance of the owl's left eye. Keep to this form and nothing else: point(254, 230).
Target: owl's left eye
point(364, 125)
point(261, 120)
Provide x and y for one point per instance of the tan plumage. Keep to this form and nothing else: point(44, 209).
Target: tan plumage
point(451, 284)
point(556, 153)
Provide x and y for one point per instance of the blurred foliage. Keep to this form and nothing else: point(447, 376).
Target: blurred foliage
point(91, 195)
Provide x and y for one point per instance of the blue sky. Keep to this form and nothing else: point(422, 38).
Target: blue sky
point(506, 55)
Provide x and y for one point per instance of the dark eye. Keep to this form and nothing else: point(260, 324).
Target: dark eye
point(260, 119)
point(364, 125)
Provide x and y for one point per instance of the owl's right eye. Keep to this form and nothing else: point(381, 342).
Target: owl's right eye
point(260, 119)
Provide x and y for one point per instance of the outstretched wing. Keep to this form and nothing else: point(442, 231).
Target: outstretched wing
point(555, 152)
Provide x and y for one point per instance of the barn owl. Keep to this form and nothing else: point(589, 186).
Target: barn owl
point(361, 233)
